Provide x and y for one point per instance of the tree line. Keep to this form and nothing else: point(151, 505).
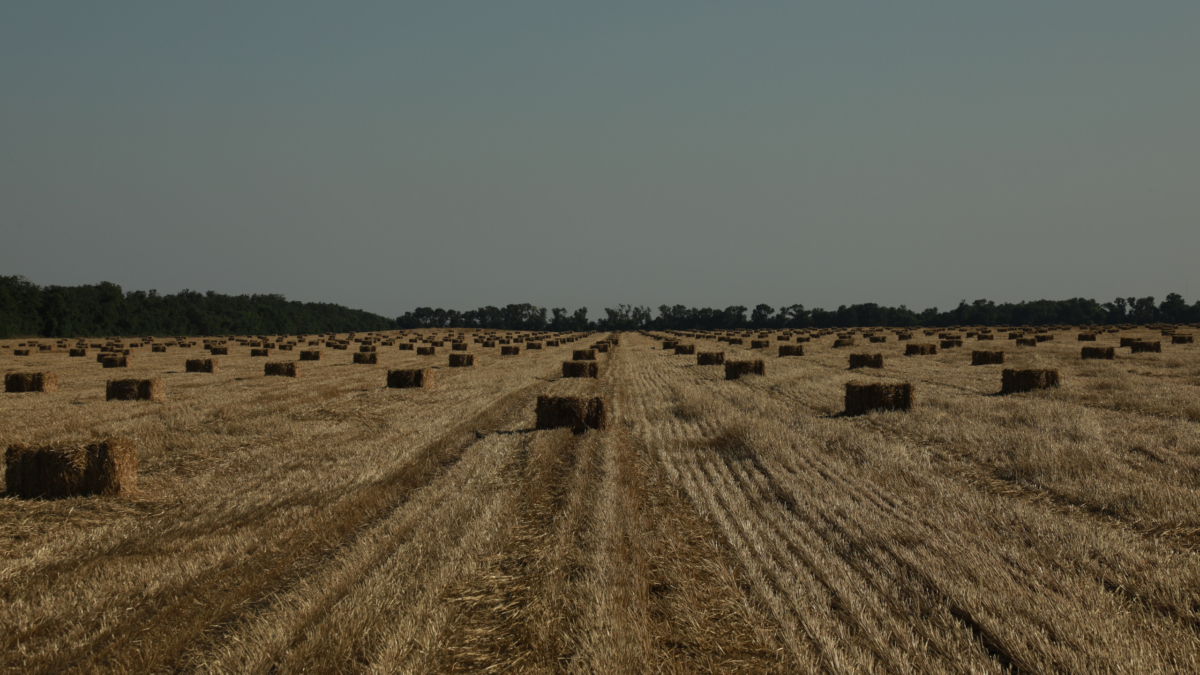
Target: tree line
point(27, 309)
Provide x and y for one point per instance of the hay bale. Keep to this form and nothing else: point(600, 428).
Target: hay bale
point(583, 354)
point(685, 349)
point(218, 351)
point(760, 344)
point(31, 382)
point(1087, 337)
point(407, 379)
point(986, 358)
point(366, 358)
point(367, 349)
point(951, 343)
point(843, 342)
point(426, 351)
point(863, 397)
point(580, 369)
point(311, 355)
point(1044, 337)
point(202, 366)
point(735, 341)
point(878, 338)
point(458, 346)
point(736, 369)
point(1142, 346)
point(985, 337)
point(533, 345)
point(79, 352)
point(106, 468)
point(462, 360)
point(20, 352)
point(510, 350)
point(1182, 339)
point(112, 361)
point(282, 368)
point(1027, 342)
point(1014, 381)
point(1107, 353)
point(161, 349)
point(489, 344)
point(710, 358)
point(1015, 336)
point(668, 345)
point(551, 343)
point(920, 349)
point(260, 352)
point(574, 412)
point(152, 389)
point(601, 347)
point(866, 361)
point(405, 346)
point(791, 350)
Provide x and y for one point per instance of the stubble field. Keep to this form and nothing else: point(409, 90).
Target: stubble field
point(330, 524)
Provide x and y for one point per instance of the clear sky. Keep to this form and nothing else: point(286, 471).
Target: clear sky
point(392, 155)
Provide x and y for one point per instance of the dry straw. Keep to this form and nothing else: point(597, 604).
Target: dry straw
point(153, 389)
point(281, 369)
point(574, 412)
point(31, 382)
point(864, 397)
point(866, 361)
point(1015, 381)
point(413, 378)
point(106, 468)
point(202, 366)
point(986, 358)
point(580, 369)
point(736, 369)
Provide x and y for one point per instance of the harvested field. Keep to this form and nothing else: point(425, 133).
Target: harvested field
point(335, 524)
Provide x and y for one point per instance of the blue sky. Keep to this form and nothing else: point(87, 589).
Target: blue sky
point(390, 155)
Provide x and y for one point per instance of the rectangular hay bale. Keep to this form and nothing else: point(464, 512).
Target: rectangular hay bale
point(202, 366)
point(462, 360)
point(580, 369)
point(710, 358)
point(583, 354)
point(311, 355)
point(1105, 353)
point(153, 389)
point(736, 369)
point(866, 361)
point(281, 368)
point(986, 358)
point(791, 350)
point(1015, 381)
point(864, 397)
point(411, 378)
point(31, 382)
point(106, 468)
point(574, 412)
point(366, 358)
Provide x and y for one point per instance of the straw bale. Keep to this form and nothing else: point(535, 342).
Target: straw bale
point(112, 361)
point(31, 382)
point(574, 412)
point(580, 369)
point(311, 355)
point(153, 389)
point(533, 345)
point(1142, 346)
point(791, 350)
point(583, 354)
point(735, 369)
point(866, 361)
point(79, 352)
point(760, 344)
point(986, 358)
point(1182, 339)
point(20, 352)
point(843, 342)
point(951, 343)
point(1014, 381)
point(161, 349)
point(281, 368)
point(413, 378)
point(202, 366)
point(462, 360)
point(260, 352)
point(1107, 353)
point(685, 349)
point(985, 337)
point(1087, 337)
point(367, 349)
point(1044, 337)
point(366, 358)
point(1026, 342)
point(878, 338)
point(405, 346)
point(920, 349)
point(426, 351)
point(510, 350)
point(106, 468)
point(863, 397)
point(710, 358)
point(668, 345)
